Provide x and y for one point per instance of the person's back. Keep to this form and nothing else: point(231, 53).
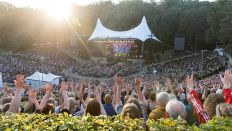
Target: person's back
point(159, 112)
point(109, 109)
point(190, 117)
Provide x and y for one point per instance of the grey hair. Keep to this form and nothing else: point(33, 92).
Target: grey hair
point(162, 99)
point(224, 110)
point(175, 108)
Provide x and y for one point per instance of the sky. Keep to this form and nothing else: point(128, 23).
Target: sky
point(40, 3)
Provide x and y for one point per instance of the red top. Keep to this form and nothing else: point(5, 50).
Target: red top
point(228, 96)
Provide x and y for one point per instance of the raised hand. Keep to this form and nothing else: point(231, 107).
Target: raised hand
point(128, 88)
point(118, 81)
point(138, 82)
point(48, 88)
point(6, 89)
point(190, 82)
point(64, 86)
point(81, 95)
point(227, 79)
point(168, 82)
point(156, 85)
point(114, 89)
point(146, 84)
point(98, 95)
point(32, 95)
point(26, 87)
point(19, 82)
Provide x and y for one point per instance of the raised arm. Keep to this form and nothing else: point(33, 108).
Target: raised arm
point(138, 90)
point(114, 89)
point(128, 89)
point(64, 91)
point(118, 102)
point(19, 82)
point(98, 97)
point(193, 97)
point(48, 91)
point(169, 85)
point(227, 84)
point(205, 92)
point(156, 86)
point(80, 93)
point(32, 95)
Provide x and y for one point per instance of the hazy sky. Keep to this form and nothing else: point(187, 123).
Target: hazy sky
point(39, 3)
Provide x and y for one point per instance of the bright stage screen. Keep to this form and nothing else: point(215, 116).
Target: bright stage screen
point(121, 48)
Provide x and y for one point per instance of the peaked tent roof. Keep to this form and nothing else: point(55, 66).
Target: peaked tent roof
point(37, 76)
point(52, 76)
point(141, 32)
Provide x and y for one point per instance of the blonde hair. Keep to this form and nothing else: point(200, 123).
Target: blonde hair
point(108, 99)
point(135, 102)
point(211, 102)
point(130, 110)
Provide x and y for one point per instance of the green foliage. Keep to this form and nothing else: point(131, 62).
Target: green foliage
point(66, 122)
point(52, 122)
point(168, 125)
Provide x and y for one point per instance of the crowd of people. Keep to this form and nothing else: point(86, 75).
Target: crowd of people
point(194, 101)
point(168, 90)
point(98, 70)
point(130, 69)
point(42, 58)
point(179, 68)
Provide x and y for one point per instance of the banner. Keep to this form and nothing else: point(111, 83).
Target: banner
point(1, 85)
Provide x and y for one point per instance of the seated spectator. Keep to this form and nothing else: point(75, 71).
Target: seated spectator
point(175, 108)
point(130, 110)
point(211, 102)
point(108, 105)
point(159, 112)
point(224, 110)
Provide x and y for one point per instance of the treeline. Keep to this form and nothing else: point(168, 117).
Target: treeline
point(202, 22)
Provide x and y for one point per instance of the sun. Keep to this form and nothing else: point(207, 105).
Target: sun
point(58, 10)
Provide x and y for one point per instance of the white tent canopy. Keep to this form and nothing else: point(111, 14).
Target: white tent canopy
point(141, 32)
point(38, 78)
